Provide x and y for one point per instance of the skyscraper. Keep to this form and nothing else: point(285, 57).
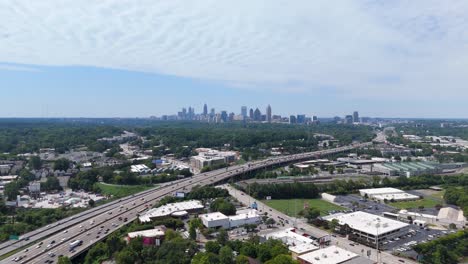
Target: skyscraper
point(301, 119)
point(268, 114)
point(205, 110)
point(356, 117)
point(224, 116)
point(257, 115)
point(251, 114)
point(244, 111)
point(292, 119)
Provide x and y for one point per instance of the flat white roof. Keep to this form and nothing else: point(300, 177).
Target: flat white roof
point(369, 223)
point(147, 233)
point(303, 248)
point(244, 214)
point(289, 237)
point(8, 177)
point(396, 196)
point(385, 190)
point(169, 209)
point(213, 216)
point(329, 255)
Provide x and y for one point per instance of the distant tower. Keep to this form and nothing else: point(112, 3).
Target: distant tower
point(356, 117)
point(268, 114)
point(244, 111)
point(224, 116)
point(251, 113)
point(257, 115)
point(205, 110)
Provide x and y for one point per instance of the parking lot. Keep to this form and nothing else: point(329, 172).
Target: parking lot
point(357, 203)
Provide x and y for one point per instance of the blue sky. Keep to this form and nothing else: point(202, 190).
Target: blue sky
point(139, 58)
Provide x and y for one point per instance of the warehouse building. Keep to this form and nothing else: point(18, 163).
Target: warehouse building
point(219, 220)
point(407, 169)
point(387, 194)
point(332, 255)
point(369, 227)
point(150, 237)
point(174, 209)
point(297, 244)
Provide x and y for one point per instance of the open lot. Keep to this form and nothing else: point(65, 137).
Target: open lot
point(292, 207)
point(427, 202)
point(121, 190)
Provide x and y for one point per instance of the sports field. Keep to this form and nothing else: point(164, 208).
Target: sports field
point(292, 207)
point(427, 202)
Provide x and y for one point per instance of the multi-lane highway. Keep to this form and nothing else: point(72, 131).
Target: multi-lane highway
point(91, 226)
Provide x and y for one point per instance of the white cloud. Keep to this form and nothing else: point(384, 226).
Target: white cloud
point(9, 67)
point(358, 48)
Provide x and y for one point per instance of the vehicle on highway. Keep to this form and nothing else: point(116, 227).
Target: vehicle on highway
point(75, 244)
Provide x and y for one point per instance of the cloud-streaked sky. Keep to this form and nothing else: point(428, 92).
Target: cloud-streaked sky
point(148, 57)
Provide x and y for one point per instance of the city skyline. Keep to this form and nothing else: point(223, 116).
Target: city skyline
point(136, 61)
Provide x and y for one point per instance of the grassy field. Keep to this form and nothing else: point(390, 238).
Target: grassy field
point(292, 207)
point(427, 202)
point(121, 190)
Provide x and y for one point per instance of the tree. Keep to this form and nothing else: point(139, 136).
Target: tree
point(310, 213)
point(222, 237)
point(126, 257)
point(282, 259)
point(193, 232)
point(248, 249)
point(223, 206)
point(64, 260)
point(213, 247)
point(91, 203)
point(334, 224)
point(205, 258)
point(114, 244)
point(11, 190)
point(62, 164)
point(96, 253)
point(52, 183)
point(226, 255)
point(35, 162)
point(241, 259)
point(443, 256)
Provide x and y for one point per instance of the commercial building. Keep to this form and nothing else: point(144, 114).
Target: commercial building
point(387, 194)
point(369, 227)
point(150, 237)
point(4, 180)
point(445, 217)
point(449, 215)
point(171, 209)
point(406, 168)
point(219, 220)
point(328, 255)
point(297, 244)
point(210, 157)
point(140, 168)
point(215, 220)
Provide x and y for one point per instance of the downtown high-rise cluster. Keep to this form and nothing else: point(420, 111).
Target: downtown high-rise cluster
point(251, 115)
